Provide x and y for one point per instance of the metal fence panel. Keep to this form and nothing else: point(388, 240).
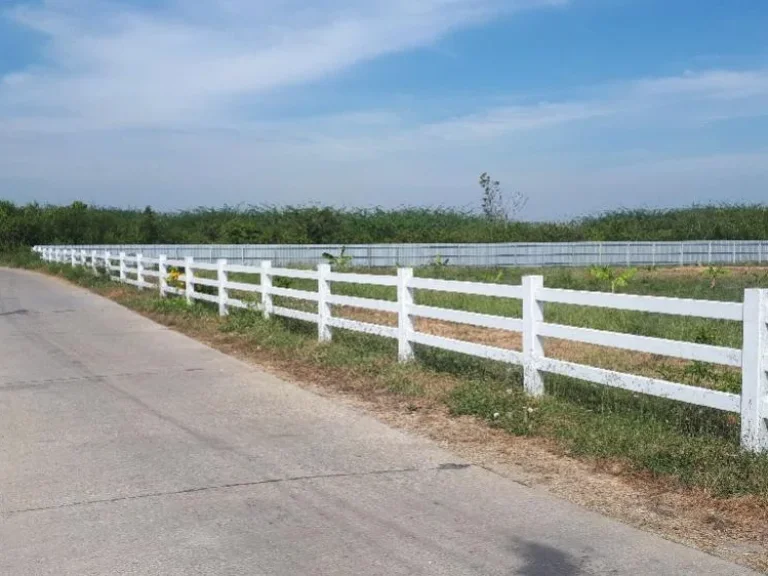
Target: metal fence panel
point(530, 255)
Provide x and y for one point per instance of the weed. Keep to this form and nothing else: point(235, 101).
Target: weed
point(612, 276)
point(341, 262)
point(713, 273)
point(439, 262)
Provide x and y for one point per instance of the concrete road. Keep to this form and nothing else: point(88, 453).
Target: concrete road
point(126, 448)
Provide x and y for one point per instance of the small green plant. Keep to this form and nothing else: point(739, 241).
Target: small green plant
point(612, 276)
point(713, 273)
point(439, 262)
point(498, 277)
point(341, 262)
point(282, 282)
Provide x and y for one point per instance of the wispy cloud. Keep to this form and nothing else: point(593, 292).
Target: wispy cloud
point(109, 65)
point(710, 84)
point(188, 65)
point(690, 99)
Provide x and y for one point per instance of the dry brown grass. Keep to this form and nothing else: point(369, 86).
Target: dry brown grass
point(698, 271)
point(639, 363)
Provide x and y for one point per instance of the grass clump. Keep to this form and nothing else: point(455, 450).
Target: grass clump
point(698, 450)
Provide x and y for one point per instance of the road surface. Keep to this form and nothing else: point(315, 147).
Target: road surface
point(126, 448)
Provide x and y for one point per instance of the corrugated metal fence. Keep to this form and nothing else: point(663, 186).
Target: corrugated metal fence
point(504, 254)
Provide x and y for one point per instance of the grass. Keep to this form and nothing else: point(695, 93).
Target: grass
point(689, 283)
point(650, 437)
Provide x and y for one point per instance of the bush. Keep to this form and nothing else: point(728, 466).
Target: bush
point(81, 224)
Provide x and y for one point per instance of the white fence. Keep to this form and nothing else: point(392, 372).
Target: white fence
point(497, 254)
point(751, 404)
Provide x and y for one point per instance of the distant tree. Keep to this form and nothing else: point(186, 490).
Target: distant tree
point(149, 231)
point(73, 223)
point(494, 206)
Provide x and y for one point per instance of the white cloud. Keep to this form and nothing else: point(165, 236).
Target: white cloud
point(110, 65)
point(711, 84)
point(668, 103)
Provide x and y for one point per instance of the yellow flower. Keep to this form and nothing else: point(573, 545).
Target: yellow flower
point(173, 278)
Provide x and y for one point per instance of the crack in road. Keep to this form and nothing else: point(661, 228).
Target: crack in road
point(21, 312)
point(196, 490)
point(25, 384)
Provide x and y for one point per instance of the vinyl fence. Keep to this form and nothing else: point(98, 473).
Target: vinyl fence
point(751, 404)
point(502, 254)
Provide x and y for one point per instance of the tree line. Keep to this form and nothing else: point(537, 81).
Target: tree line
point(77, 223)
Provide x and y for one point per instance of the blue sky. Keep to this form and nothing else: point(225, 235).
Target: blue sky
point(581, 105)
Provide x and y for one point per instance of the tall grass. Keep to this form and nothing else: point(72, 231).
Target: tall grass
point(81, 224)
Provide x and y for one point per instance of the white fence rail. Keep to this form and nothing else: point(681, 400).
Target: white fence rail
point(520, 254)
point(751, 404)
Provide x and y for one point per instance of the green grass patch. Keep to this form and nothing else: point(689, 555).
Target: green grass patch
point(698, 447)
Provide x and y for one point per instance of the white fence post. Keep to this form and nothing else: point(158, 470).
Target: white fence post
point(162, 274)
point(754, 383)
point(122, 267)
point(682, 254)
point(83, 258)
point(107, 263)
point(222, 278)
point(140, 271)
point(189, 279)
point(404, 323)
point(533, 315)
point(266, 288)
point(73, 258)
point(323, 307)
point(94, 264)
